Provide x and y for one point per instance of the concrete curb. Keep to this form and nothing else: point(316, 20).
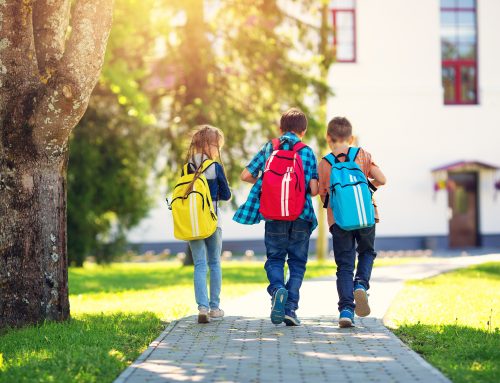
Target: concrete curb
point(129, 371)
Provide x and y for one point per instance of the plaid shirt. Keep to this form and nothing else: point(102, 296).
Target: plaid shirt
point(248, 213)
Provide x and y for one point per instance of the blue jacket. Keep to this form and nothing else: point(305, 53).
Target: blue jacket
point(219, 187)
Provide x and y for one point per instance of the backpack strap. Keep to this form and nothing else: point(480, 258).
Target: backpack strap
point(330, 158)
point(352, 153)
point(298, 146)
point(276, 143)
point(185, 169)
point(204, 166)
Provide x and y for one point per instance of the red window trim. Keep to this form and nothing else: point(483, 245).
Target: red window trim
point(457, 64)
point(354, 43)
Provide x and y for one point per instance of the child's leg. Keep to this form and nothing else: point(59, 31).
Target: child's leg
point(199, 250)
point(214, 248)
point(298, 250)
point(345, 257)
point(365, 239)
point(276, 241)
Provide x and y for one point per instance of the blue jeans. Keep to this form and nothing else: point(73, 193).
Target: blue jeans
point(284, 238)
point(203, 250)
point(344, 250)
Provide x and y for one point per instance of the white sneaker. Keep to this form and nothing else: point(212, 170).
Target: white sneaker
point(203, 316)
point(216, 313)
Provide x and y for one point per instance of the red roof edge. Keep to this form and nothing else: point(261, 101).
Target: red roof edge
point(463, 164)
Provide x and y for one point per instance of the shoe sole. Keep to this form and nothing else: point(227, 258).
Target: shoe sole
point(278, 309)
point(362, 308)
point(289, 321)
point(345, 323)
point(203, 318)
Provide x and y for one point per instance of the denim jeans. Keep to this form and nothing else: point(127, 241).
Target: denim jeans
point(284, 238)
point(203, 250)
point(344, 250)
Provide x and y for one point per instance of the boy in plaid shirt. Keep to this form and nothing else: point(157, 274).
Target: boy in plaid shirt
point(283, 238)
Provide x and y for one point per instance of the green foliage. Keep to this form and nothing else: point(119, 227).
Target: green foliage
point(453, 320)
point(114, 147)
point(111, 160)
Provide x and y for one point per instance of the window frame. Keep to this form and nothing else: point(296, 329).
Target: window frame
point(351, 11)
point(460, 63)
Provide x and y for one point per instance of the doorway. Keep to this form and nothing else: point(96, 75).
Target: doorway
point(463, 204)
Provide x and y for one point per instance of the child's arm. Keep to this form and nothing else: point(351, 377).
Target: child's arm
point(251, 173)
point(323, 180)
point(377, 175)
point(224, 191)
point(314, 187)
point(246, 176)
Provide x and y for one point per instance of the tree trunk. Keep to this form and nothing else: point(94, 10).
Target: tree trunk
point(46, 79)
point(33, 265)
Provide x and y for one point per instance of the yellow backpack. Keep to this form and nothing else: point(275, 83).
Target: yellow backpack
point(194, 215)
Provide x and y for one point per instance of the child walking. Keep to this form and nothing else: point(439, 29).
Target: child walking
point(206, 144)
point(284, 174)
point(351, 288)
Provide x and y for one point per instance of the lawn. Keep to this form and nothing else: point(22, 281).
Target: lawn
point(453, 321)
point(116, 312)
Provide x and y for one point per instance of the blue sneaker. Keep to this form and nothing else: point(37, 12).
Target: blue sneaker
point(291, 318)
point(361, 297)
point(346, 318)
point(278, 309)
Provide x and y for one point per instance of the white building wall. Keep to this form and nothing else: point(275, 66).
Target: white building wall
point(393, 97)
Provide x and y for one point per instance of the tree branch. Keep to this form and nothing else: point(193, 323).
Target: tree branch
point(50, 24)
point(17, 52)
point(67, 94)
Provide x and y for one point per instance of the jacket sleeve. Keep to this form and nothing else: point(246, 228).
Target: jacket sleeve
point(224, 191)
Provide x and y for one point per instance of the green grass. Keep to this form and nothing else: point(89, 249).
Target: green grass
point(453, 321)
point(117, 311)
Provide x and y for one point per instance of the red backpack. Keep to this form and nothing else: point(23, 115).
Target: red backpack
point(283, 193)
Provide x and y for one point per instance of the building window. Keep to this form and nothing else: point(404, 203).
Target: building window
point(459, 51)
point(344, 30)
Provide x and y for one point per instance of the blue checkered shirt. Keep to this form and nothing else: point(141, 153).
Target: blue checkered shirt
point(248, 213)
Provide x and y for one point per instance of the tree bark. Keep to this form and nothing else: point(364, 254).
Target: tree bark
point(33, 262)
point(45, 85)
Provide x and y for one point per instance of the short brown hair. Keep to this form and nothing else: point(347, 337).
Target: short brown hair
point(293, 120)
point(339, 129)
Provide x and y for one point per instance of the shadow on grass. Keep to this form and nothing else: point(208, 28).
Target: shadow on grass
point(462, 353)
point(125, 277)
point(91, 348)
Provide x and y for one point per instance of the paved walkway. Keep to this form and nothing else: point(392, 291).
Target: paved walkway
point(246, 347)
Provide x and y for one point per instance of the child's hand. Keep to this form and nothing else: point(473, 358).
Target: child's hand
point(314, 187)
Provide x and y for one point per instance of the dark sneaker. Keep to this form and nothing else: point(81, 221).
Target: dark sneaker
point(278, 308)
point(362, 308)
point(346, 318)
point(291, 318)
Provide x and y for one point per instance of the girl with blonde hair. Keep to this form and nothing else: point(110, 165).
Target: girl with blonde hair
point(206, 143)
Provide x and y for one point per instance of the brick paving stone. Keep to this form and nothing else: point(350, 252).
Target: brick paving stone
point(245, 347)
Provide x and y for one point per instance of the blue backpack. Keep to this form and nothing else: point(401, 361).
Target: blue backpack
point(350, 194)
